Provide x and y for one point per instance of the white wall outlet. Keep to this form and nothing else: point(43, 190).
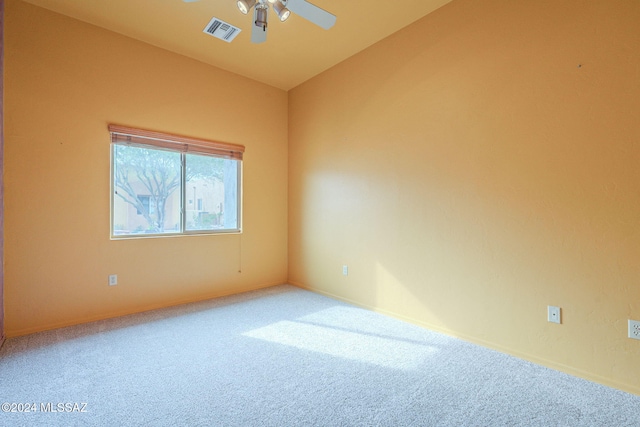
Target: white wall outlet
point(553, 314)
point(113, 279)
point(345, 270)
point(634, 329)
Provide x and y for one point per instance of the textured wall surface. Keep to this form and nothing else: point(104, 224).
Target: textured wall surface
point(65, 81)
point(475, 167)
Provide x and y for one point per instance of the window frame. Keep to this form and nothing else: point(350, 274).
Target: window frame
point(121, 135)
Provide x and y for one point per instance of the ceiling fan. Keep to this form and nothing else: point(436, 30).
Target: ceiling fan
point(282, 9)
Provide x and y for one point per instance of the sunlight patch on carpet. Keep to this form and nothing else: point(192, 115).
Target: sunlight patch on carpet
point(339, 342)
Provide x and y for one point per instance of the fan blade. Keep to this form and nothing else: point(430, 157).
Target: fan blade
point(259, 29)
point(312, 13)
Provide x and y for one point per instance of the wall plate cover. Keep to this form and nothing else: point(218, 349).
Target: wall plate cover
point(634, 329)
point(553, 314)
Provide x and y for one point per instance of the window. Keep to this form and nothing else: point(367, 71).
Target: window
point(146, 205)
point(165, 184)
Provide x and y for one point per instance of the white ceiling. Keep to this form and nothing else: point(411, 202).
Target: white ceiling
point(295, 50)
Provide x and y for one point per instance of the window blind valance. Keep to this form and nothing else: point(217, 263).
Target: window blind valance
point(127, 135)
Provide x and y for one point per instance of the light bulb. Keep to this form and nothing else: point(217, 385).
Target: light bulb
point(245, 5)
point(282, 12)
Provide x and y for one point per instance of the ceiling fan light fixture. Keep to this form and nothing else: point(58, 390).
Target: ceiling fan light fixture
point(245, 5)
point(282, 12)
point(261, 17)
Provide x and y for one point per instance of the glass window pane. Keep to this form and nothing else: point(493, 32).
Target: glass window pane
point(146, 185)
point(211, 193)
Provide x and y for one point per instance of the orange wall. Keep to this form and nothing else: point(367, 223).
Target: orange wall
point(475, 167)
point(64, 82)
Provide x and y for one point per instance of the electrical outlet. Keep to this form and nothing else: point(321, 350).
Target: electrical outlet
point(553, 314)
point(634, 329)
point(113, 279)
point(345, 270)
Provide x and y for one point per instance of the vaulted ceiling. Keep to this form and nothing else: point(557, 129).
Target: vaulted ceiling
point(295, 50)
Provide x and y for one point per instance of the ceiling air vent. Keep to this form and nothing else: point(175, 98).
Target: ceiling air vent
point(221, 30)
